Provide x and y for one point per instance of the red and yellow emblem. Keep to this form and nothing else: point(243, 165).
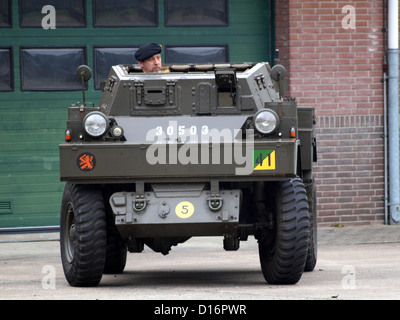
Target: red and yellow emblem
point(86, 161)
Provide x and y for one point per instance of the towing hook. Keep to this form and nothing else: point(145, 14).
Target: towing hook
point(215, 203)
point(139, 204)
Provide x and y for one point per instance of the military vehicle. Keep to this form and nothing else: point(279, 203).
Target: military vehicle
point(198, 150)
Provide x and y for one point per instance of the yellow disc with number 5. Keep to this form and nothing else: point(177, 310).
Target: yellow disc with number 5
point(184, 209)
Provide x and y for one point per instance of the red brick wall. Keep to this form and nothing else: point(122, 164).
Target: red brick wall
point(338, 71)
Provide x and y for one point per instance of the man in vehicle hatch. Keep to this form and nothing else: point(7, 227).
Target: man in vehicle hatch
point(149, 57)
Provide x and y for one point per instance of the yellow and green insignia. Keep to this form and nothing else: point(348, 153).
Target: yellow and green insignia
point(264, 160)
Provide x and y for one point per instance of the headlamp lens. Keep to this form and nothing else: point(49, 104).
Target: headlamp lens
point(266, 121)
point(96, 124)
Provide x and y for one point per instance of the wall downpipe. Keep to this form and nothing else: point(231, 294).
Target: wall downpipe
point(393, 111)
point(385, 138)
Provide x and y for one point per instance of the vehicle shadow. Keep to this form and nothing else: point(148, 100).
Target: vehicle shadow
point(184, 278)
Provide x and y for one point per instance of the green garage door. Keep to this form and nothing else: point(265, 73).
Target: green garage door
point(42, 43)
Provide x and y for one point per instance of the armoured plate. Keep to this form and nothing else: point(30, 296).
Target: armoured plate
point(174, 209)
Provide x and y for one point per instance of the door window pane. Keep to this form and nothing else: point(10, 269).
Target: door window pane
point(193, 54)
point(6, 70)
point(5, 14)
point(125, 13)
point(196, 13)
point(105, 58)
point(71, 13)
point(51, 69)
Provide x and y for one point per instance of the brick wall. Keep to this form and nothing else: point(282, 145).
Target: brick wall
point(338, 71)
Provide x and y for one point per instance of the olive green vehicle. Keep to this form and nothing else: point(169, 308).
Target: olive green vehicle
point(198, 150)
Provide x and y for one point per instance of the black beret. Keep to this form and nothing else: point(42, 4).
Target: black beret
point(147, 51)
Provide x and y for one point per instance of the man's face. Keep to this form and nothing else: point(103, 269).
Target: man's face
point(152, 64)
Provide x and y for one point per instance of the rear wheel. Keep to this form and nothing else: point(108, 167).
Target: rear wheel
point(283, 250)
point(82, 234)
point(312, 242)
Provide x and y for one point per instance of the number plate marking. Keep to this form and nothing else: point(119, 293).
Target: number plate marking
point(184, 209)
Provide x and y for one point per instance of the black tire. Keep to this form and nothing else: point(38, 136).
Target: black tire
point(116, 251)
point(312, 251)
point(283, 254)
point(82, 234)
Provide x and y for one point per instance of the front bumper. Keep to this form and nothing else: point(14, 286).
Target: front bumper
point(121, 162)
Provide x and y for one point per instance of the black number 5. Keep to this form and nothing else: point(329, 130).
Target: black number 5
point(184, 210)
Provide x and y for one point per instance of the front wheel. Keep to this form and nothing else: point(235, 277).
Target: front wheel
point(83, 234)
point(283, 250)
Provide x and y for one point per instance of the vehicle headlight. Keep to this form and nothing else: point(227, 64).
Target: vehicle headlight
point(266, 121)
point(95, 124)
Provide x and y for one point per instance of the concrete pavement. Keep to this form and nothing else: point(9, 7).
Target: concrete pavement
point(359, 235)
point(326, 235)
point(353, 263)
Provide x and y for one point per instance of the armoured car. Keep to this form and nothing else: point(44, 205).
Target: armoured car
point(197, 150)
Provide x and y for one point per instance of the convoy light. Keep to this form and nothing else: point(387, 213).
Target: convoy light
point(266, 121)
point(117, 131)
point(95, 124)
